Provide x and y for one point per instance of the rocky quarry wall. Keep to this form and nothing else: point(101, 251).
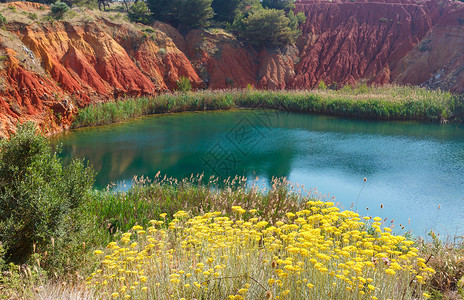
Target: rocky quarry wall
point(49, 69)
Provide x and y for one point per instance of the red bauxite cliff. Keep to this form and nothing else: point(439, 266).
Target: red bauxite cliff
point(48, 69)
point(347, 41)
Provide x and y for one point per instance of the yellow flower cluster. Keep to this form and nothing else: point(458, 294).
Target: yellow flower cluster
point(317, 253)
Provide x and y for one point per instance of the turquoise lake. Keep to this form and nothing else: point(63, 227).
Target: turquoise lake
point(415, 170)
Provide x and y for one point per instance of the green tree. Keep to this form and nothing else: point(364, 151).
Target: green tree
point(37, 193)
point(191, 13)
point(225, 10)
point(228, 10)
point(138, 12)
point(164, 10)
point(296, 20)
point(196, 13)
point(267, 27)
point(279, 4)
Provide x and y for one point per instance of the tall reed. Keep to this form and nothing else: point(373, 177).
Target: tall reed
point(386, 103)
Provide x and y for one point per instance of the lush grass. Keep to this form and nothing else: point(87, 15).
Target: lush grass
point(385, 103)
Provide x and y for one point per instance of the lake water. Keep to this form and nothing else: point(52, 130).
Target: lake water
point(415, 170)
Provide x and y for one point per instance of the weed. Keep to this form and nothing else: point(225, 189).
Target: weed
point(184, 84)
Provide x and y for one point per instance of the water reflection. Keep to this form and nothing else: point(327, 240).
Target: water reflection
point(411, 167)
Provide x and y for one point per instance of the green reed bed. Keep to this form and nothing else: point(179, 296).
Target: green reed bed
point(146, 199)
point(385, 103)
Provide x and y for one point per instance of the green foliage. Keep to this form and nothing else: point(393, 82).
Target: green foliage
point(267, 27)
point(296, 20)
point(230, 10)
point(195, 13)
point(322, 86)
point(457, 107)
point(190, 13)
point(138, 12)
point(391, 102)
point(38, 196)
point(184, 84)
point(162, 51)
point(279, 4)
point(32, 16)
point(3, 20)
point(91, 4)
point(58, 9)
point(164, 10)
point(146, 199)
point(225, 10)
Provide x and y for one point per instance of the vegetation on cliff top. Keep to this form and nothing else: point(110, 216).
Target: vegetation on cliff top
point(386, 103)
point(271, 23)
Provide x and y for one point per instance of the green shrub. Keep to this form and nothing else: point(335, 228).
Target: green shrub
point(138, 12)
point(38, 195)
point(184, 84)
point(58, 9)
point(32, 16)
point(162, 51)
point(3, 20)
point(322, 86)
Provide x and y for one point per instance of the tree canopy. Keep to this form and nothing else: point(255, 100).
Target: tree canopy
point(164, 10)
point(192, 13)
point(268, 27)
point(195, 13)
point(279, 4)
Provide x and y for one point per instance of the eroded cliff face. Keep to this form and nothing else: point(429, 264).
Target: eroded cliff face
point(49, 69)
point(437, 61)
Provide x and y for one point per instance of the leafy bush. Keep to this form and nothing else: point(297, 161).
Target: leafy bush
point(138, 12)
point(184, 84)
point(37, 194)
point(58, 9)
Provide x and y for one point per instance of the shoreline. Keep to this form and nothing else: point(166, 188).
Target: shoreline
point(365, 103)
